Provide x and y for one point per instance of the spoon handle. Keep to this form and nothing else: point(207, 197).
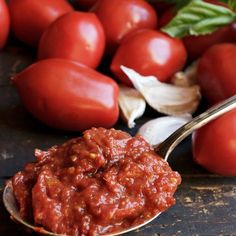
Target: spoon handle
point(167, 146)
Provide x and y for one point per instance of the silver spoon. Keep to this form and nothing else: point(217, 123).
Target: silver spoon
point(163, 150)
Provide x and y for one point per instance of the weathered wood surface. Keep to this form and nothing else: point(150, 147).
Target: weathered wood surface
point(205, 203)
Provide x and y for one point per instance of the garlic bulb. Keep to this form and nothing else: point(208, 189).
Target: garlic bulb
point(132, 105)
point(165, 98)
point(157, 130)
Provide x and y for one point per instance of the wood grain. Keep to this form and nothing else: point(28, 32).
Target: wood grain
point(205, 203)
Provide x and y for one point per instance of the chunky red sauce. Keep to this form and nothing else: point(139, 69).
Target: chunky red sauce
point(96, 184)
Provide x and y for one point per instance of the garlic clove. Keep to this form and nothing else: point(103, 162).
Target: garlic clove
point(157, 130)
point(165, 98)
point(132, 105)
point(186, 78)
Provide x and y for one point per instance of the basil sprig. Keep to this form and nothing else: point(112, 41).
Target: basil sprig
point(231, 3)
point(199, 18)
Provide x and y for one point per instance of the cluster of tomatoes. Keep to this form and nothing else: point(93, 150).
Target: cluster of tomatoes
point(65, 89)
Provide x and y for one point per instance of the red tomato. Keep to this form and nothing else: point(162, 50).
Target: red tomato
point(4, 23)
point(149, 52)
point(30, 18)
point(123, 17)
point(68, 95)
point(85, 4)
point(214, 145)
point(216, 72)
point(78, 36)
point(167, 16)
point(197, 45)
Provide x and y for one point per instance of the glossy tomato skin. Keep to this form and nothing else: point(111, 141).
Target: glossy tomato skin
point(68, 95)
point(149, 52)
point(216, 72)
point(4, 23)
point(30, 18)
point(77, 36)
point(214, 146)
point(123, 17)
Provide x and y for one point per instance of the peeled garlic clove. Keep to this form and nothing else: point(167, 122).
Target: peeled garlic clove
point(157, 130)
point(186, 78)
point(132, 105)
point(165, 98)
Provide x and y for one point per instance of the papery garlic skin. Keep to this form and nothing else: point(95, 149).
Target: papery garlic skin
point(157, 130)
point(186, 78)
point(165, 98)
point(132, 105)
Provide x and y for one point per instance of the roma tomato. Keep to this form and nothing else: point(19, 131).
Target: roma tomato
point(197, 45)
point(30, 18)
point(68, 95)
point(167, 16)
point(216, 72)
point(214, 145)
point(4, 23)
point(78, 36)
point(149, 52)
point(122, 17)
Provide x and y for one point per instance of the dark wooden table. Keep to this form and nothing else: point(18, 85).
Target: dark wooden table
point(205, 203)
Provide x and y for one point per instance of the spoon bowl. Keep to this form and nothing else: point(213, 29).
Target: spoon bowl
point(11, 206)
point(163, 150)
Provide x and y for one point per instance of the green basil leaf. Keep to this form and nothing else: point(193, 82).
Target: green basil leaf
point(232, 4)
point(199, 18)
